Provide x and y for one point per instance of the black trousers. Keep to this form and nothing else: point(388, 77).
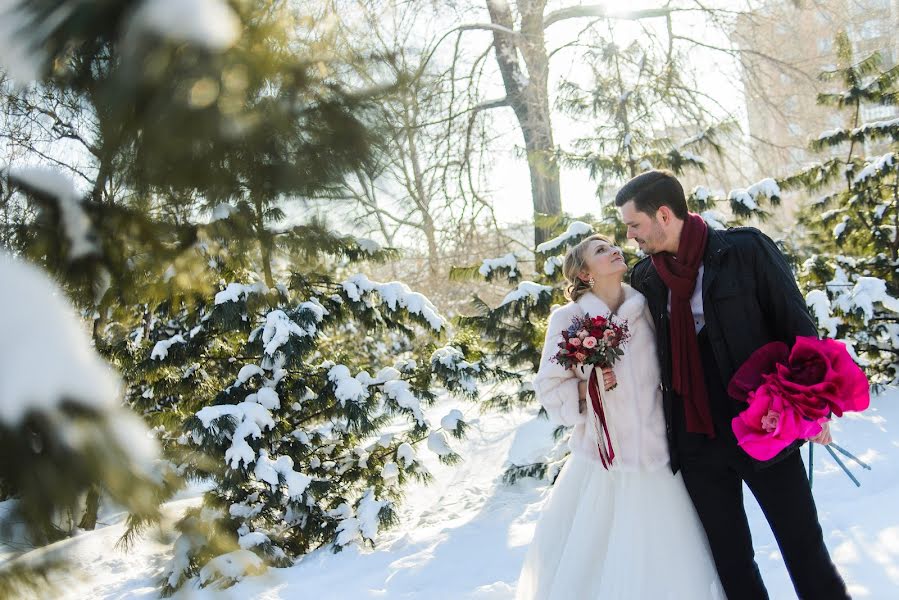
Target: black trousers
point(714, 471)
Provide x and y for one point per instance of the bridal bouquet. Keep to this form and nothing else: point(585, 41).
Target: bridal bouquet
point(791, 392)
point(594, 342)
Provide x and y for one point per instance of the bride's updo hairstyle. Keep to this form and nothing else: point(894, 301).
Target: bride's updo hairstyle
point(574, 264)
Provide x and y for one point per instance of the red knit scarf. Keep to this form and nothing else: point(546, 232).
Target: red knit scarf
point(679, 274)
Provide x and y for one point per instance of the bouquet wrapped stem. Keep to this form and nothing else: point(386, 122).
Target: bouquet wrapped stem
point(830, 448)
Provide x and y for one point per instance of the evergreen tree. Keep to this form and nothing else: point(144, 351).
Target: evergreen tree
point(248, 341)
point(849, 231)
point(309, 441)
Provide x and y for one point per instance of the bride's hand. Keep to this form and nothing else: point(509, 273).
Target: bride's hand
point(608, 378)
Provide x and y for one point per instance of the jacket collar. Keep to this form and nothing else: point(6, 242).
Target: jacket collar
point(715, 250)
point(631, 307)
point(716, 247)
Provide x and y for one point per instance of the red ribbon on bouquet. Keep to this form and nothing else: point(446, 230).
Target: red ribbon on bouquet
point(606, 451)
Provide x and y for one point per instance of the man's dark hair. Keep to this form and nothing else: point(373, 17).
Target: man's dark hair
point(652, 190)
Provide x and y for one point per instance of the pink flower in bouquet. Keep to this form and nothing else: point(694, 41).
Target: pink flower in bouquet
point(583, 333)
point(792, 392)
point(576, 342)
point(590, 342)
point(579, 356)
point(609, 334)
point(769, 421)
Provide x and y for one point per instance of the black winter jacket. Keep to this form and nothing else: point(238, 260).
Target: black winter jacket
point(750, 298)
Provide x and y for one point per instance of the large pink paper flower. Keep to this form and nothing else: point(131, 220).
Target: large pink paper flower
point(792, 392)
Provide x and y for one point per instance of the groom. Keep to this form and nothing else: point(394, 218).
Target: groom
point(717, 296)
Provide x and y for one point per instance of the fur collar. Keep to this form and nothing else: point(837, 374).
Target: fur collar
point(630, 309)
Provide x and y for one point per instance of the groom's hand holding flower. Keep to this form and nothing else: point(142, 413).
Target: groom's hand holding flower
point(824, 437)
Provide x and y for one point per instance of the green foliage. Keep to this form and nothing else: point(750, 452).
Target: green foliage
point(849, 231)
point(260, 380)
point(236, 319)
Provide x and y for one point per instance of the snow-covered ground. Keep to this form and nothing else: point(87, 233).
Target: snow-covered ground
point(465, 535)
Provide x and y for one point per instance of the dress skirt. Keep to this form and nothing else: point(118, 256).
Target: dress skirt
point(618, 535)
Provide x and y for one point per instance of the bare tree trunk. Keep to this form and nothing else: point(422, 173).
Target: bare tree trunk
point(265, 245)
point(420, 189)
point(528, 95)
point(89, 518)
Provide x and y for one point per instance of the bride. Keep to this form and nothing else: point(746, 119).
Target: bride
point(629, 532)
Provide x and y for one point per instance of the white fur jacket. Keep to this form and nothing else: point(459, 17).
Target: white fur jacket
point(633, 409)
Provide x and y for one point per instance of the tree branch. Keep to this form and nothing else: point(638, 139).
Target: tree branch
point(603, 12)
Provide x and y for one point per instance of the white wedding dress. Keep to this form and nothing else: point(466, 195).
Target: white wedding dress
point(630, 532)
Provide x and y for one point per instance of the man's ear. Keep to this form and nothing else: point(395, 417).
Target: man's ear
point(664, 214)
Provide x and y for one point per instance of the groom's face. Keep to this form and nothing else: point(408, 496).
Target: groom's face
point(644, 229)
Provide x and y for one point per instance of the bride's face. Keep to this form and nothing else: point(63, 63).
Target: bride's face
point(602, 259)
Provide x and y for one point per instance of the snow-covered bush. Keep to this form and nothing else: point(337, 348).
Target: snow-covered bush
point(63, 429)
point(307, 440)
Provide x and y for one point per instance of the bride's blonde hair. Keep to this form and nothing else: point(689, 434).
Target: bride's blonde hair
point(574, 264)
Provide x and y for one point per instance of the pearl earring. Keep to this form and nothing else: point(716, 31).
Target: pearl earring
point(591, 282)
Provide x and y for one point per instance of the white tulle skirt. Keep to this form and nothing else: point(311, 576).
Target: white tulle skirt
point(615, 535)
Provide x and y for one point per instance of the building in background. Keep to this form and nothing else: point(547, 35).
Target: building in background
point(783, 49)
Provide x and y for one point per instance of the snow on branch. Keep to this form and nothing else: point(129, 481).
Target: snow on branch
point(819, 304)
point(47, 360)
point(46, 357)
point(234, 292)
point(870, 290)
point(508, 261)
point(60, 188)
point(747, 198)
point(552, 264)
point(874, 167)
point(211, 24)
point(348, 388)
point(395, 294)
point(866, 132)
point(251, 419)
point(575, 229)
point(450, 365)
point(714, 218)
point(368, 246)
point(527, 289)
point(273, 472)
point(399, 391)
point(21, 44)
point(162, 347)
point(360, 524)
